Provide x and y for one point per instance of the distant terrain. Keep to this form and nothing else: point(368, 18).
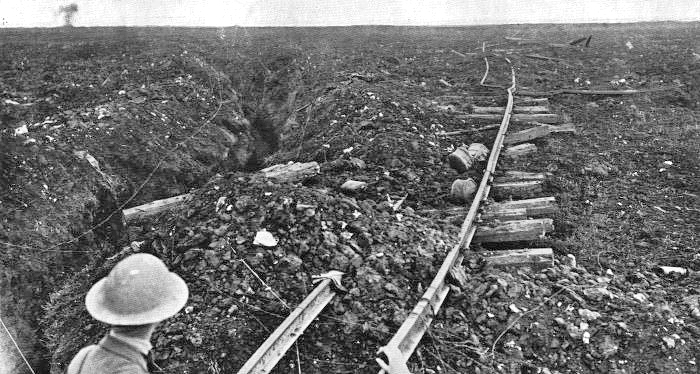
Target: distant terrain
point(93, 120)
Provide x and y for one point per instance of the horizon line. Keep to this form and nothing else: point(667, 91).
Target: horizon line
point(592, 22)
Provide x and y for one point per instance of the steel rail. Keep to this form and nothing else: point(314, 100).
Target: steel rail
point(277, 344)
point(402, 345)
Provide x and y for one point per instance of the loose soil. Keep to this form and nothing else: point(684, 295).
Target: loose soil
point(367, 103)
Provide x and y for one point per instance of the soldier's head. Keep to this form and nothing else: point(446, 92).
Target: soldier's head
point(139, 292)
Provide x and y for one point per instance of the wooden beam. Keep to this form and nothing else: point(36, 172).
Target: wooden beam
point(537, 207)
point(519, 189)
point(532, 100)
point(519, 117)
point(467, 131)
point(505, 214)
point(154, 207)
point(510, 176)
point(513, 231)
point(520, 150)
point(528, 256)
point(518, 109)
point(537, 132)
point(294, 172)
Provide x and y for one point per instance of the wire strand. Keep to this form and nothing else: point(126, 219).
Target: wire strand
point(16, 346)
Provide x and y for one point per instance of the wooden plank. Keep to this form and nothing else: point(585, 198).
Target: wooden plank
point(532, 100)
point(536, 207)
point(530, 256)
point(512, 231)
point(294, 172)
point(500, 110)
point(154, 207)
point(513, 175)
point(520, 117)
point(520, 150)
point(504, 214)
point(537, 132)
point(517, 189)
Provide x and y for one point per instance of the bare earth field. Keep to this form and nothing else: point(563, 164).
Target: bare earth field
point(93, 120)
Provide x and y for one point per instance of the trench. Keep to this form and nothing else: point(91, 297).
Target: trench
point(251, 143)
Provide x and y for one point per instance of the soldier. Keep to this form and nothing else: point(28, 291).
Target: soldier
point(137, 294)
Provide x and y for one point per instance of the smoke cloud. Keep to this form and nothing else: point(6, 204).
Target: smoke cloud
point(68, 13)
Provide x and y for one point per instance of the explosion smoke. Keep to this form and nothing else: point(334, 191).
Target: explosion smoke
point(68, 13)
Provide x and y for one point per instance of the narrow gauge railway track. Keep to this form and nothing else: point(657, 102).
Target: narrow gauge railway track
point(404, 342)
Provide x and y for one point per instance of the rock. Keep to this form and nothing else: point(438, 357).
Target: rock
point(670, 342)
point(588, 315)
point(353, 186)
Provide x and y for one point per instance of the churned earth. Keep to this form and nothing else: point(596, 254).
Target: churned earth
point(97, 119)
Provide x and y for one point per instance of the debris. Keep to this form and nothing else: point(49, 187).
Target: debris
point(463, 189)
point(670, 342)
point(608, 347)
point(21, 130)
point(264, 238)
point(588, 315)
point(85, 155)
point(672, 270)
point(463, 158)
point(629, 45)
point(353, 186)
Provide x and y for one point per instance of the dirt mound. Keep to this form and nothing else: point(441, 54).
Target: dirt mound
point(387, 258)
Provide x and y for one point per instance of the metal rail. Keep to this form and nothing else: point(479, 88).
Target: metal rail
point(406, 339)
point(277, 344)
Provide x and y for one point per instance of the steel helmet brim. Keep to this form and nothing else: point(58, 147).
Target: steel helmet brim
point(175, 298)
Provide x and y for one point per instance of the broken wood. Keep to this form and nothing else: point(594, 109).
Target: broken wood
point(537, 207)
point(520, 117)
point(293, 172)
point(531, 256)
point(520, 150)
point(537, 132)
point(519, 189)
point(510, 176)
point(154, 207)
point(467, 131)
point(577, 41)
point(512, 231)
point(516, 109)
point(504, 214)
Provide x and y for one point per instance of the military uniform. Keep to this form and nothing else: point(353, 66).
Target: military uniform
point(111, 355)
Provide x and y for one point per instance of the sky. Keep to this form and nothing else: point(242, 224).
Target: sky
point(216, 13)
